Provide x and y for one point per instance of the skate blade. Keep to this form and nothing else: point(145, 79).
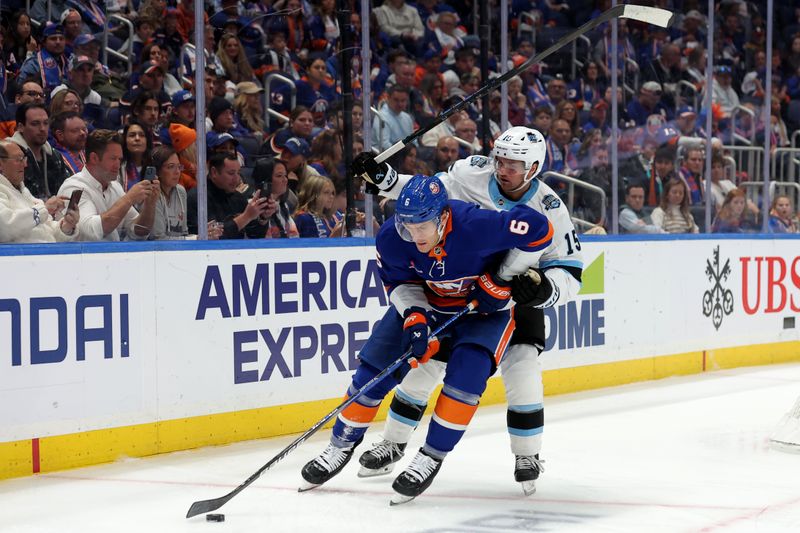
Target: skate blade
point(528, 487)
point(306, 486)
point(369, 472)
point(399, 499)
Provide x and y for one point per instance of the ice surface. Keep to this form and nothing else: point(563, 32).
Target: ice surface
point(681, 454)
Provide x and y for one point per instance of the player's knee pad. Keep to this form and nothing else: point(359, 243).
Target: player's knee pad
point(522, 375)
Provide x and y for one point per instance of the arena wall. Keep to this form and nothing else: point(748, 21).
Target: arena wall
point(133, 349)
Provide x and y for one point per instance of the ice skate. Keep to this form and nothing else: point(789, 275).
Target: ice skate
point(381, 458)
point(326, 465)
point(417, 477)
point(526, 471)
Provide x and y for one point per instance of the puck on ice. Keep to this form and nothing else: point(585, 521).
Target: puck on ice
point(215, 517)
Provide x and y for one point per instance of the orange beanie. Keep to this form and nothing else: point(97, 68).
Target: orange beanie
point(182, 136)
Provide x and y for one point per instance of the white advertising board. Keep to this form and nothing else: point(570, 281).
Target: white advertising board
point(99, 340)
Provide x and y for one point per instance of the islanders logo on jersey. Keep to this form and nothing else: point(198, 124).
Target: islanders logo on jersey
point(452, 288)
point(551, 202)
point(434, 187)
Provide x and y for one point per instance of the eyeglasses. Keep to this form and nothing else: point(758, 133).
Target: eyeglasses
point(33, 94)
point(19, 159)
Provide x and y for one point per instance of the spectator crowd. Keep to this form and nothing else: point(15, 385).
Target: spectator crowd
point(118, 124)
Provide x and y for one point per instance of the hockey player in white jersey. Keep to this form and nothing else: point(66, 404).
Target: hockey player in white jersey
point(501, 181)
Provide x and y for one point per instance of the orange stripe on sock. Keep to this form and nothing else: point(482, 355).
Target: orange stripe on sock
point(359, 413)
point(453, 411)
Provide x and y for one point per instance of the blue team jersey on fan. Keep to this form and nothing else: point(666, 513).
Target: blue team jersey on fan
point(474, 241)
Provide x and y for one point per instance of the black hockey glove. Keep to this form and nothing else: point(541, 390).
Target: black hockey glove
point(378, 176)
point(532, 288)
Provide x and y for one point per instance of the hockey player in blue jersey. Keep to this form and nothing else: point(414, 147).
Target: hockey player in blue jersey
point(500, 182)
point(434, 256)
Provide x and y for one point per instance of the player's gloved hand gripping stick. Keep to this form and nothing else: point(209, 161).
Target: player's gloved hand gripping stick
point(651, 15)
point(206, 506)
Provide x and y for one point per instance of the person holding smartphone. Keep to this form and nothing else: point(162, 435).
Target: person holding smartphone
point(280, 224)
point(170, 219)
point(17, 204)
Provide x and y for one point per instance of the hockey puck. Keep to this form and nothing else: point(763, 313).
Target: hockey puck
point(215, 517)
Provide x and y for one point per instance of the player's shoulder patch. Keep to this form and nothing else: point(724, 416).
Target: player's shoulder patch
point(551, 201)
point(479, 161)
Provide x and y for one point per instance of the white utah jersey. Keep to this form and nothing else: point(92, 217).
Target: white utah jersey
point(472, 180)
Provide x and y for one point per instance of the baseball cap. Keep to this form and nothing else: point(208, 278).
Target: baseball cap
point(84, 38)
point(723, 69)
point(248, 87)
point(297, 146)
point(430, 54)
point(686, 110)
point(51, 28)
point(77, 61)
point(652, 86)
point(214, 139)
point(148, 67)
point(600, 104)
point(181, 97)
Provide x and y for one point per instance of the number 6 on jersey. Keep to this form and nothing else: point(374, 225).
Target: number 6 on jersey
point(520, 227)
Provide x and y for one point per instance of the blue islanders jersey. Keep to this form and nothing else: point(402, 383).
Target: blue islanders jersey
point(474, 241)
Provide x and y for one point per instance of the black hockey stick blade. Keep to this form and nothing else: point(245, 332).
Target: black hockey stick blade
point(206, 506)
point(651, 15)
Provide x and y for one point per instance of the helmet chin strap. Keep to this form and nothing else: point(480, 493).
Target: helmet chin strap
point(525, 182)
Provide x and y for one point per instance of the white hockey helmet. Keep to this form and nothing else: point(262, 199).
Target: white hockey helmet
point(521, 143)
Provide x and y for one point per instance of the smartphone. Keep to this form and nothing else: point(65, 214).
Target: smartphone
point(266, 189)
point(74, 199)
point(150, 173)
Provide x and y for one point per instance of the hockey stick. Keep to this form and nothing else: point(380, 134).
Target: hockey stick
point(651, 15)
point(206, 506)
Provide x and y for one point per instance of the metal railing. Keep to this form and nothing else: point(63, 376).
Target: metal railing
point(749, 159)
point(577, 63)
point(35, 22)
point(729, 169)
point(739, 110)
point(126, 57)
point(795, 136)
point(527, 24)
point(753, 190)
point(269, 112)
point(571, 184)
point(627, 87)
point(689, 87)
point(784, 164)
